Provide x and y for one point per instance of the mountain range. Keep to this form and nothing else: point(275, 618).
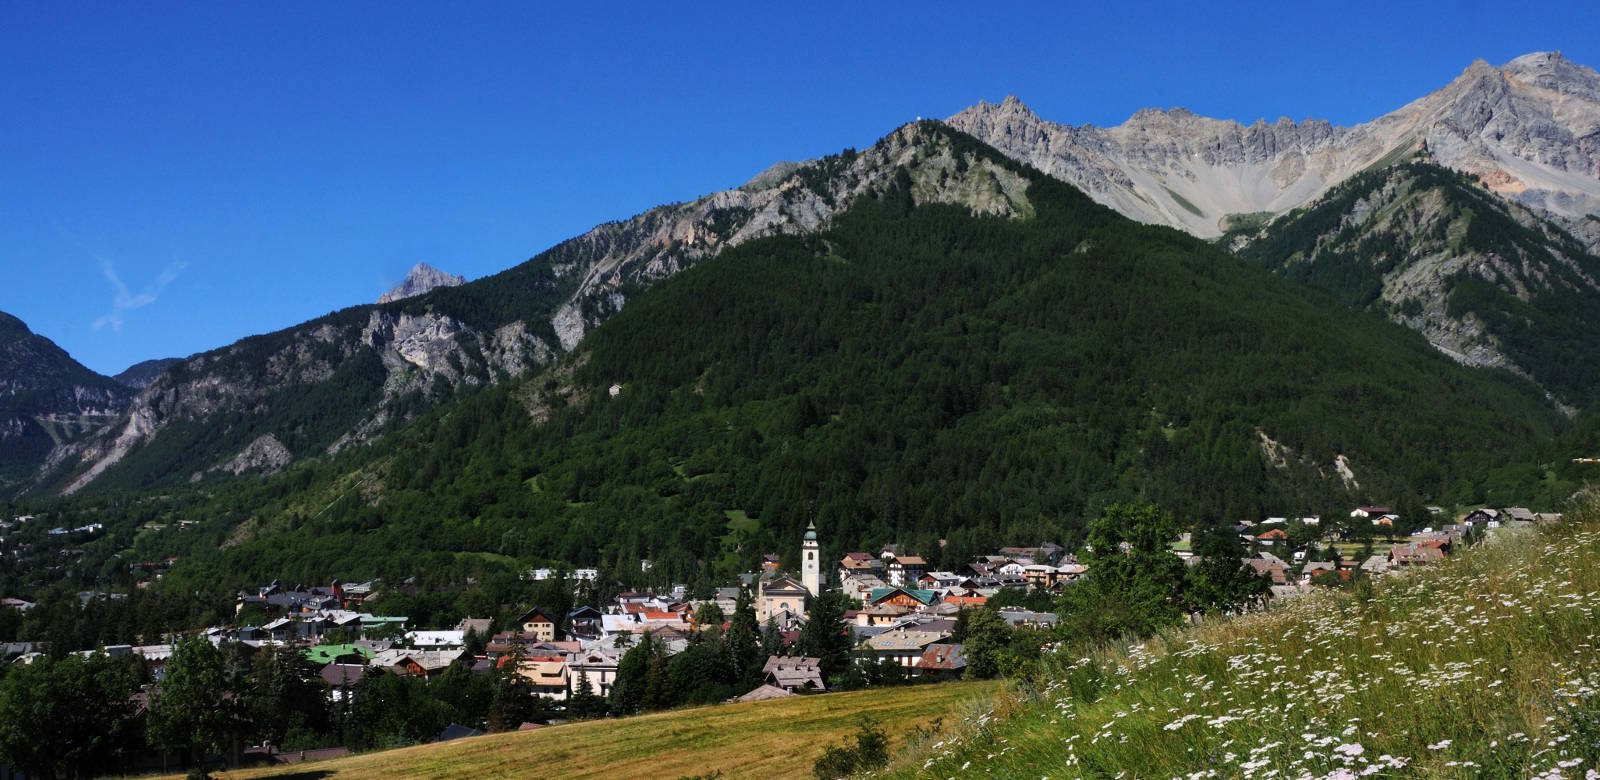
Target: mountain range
point(1437, 180)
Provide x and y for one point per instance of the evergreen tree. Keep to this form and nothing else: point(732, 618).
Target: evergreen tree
point(1221, 581)
point(743, 644)
point(824, 635)
point(633, 670)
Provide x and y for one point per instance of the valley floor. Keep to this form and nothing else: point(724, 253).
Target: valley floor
point(779, 738)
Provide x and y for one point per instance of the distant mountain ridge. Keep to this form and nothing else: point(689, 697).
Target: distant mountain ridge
point(1530, 129)
point(46, 398)
point(139, 375)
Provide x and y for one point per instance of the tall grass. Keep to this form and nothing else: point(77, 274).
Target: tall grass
point(1485, 666)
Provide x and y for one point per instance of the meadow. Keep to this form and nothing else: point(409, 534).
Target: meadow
point(780, 738)
point(1484, 666)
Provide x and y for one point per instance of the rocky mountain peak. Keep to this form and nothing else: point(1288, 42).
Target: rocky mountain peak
point(421, 279)
point(1530, 130)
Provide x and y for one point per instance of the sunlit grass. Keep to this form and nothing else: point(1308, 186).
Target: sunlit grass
point(1485, 666)
point(780, 738)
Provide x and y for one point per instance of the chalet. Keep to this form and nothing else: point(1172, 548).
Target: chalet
point(416, 663)
point(1369, 512)
point(941, 660)
point(537, 624)
point(770, 564)
point(323, 655)
point(1376, 564)
point(783, 594)
point(794, 674)
point(584, 622)
point(1273, 535)
point(1483, 518)
point(909, 598)
point(903, 646)
point(905, 569)
point(16, 604)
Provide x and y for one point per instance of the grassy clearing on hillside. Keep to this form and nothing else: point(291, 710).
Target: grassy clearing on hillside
point(781, 738)
point(1486, 666)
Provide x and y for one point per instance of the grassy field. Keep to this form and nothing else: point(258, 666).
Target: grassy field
point(1485, 666)
point(779, 738)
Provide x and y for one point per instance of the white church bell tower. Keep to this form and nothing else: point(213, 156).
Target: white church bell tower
point(810, 563)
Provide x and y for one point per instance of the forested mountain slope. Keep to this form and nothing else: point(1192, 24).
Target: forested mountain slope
point(912, 373)
point(341, 379)
point(45, 397)
point(1485, 280)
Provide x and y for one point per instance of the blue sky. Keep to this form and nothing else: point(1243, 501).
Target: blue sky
point(174, 177)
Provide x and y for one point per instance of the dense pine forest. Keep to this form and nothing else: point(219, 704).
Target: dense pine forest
point(915, 373)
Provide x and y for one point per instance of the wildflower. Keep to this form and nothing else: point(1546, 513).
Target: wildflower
point(1440, 745)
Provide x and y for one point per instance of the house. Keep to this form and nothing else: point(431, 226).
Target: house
point(881, 615)
point(1369, 512)
point(416, 663)
point(1273, 569)
point(783, 594)
point(905, 569)
point(1377, 564)
point(341, 678)
point(942, 659)
point(903, 646)
point(537, 624)
point(1043, 577)
point(794, 674)
point(1311, 570)
point(546, 670)
point(436, 640)
point(859, 563)
point(598, 666)
point(324, 655)
point(16, 604)
point(1520, 514)
point(1483, 518)
point(938, 580)
point(1018, 617)
point(769, 564)
point(1273, 535)
point(480, 626)
point(1419, 553)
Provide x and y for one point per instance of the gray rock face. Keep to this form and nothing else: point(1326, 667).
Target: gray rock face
point(421, 279)
point(266, 455)
point(1530, 129)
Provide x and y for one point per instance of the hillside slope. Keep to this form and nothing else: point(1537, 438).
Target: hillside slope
point(1485, 280)
point(780, 738)
point(1530, 128)
point(912, 374)
point(46, 397)
point(1485, 666)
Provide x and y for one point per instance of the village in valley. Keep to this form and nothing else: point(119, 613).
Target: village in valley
point(902, 615)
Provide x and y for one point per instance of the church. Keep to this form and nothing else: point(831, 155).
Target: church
point(783, 599)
